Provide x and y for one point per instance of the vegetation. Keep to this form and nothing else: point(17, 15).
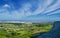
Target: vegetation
point(23, 30)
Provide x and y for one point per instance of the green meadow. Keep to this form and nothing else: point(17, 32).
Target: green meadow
point(23, 30)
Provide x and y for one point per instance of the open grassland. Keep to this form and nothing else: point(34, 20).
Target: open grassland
point(23, 30)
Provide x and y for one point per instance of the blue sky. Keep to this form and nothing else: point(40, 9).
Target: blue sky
point(30, 10)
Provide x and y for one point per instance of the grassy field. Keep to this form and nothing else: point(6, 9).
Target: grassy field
point(23, 30)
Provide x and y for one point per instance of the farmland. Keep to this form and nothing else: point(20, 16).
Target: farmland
point(23, 30)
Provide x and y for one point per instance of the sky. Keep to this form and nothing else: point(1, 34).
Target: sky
point(30, 10)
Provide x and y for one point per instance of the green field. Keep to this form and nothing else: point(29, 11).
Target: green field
point(23, 30)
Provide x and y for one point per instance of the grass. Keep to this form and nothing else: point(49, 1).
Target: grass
point(23, 30)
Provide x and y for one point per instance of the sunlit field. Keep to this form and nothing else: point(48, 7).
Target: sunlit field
point(23, 30)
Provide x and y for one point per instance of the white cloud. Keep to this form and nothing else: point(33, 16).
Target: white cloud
point(25, 10)
point(6, 6)
point(53, 7)
point(54, 12)
point(26, 6)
